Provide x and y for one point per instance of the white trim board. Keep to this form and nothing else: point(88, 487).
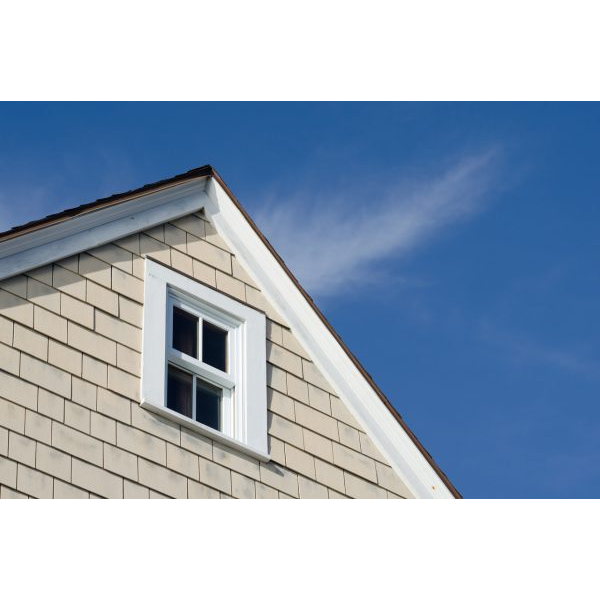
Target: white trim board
point(104, 225)
point(327, 354)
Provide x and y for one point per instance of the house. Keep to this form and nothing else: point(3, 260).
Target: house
point(153, 344)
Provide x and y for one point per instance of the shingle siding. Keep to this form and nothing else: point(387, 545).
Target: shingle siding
point(70, 421)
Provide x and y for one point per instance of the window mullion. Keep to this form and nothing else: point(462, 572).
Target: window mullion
point(224, 417)
point(194, 397)
point(200, 370)
point(200, 328)
point(169, 333)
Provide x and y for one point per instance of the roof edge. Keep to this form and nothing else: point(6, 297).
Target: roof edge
point(37, 224)
point(444, 478)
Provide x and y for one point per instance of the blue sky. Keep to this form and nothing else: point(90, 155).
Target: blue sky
point(455, 248)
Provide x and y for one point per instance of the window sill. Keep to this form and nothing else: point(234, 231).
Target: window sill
point(167, 413)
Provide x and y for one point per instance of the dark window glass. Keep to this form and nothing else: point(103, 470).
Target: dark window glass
point(208, 404)
point(179, 391)
point(214, 346)
point(185, 332)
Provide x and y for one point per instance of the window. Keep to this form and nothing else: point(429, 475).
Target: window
point(203, 361)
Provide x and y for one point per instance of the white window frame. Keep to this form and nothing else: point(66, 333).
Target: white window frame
point(226, 381)
point(244, 402)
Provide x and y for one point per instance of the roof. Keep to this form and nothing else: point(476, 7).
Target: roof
point(208, 171)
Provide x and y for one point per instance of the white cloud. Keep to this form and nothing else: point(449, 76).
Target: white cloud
point(331, 241)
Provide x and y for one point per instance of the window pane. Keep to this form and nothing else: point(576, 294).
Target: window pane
point(214, 346)
point(185, 332)
point(179, 391)
point(208, 404)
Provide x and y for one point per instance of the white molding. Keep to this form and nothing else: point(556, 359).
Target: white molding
point(250, 347)
point(98, 227)
point(348, 382)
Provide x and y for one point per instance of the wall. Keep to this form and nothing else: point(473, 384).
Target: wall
point(70, 421)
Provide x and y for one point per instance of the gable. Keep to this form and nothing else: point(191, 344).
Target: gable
point(312, 417)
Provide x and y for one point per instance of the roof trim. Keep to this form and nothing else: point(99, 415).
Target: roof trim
point(77, 223)
point(19, 230)
point(372, 409)
point(61, 238)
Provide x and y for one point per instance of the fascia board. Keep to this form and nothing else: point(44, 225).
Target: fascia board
point(327, 354)
point(104, 225)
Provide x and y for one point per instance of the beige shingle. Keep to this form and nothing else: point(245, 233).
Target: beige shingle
point(34, 483)
point(76, 443)
point(97, 480)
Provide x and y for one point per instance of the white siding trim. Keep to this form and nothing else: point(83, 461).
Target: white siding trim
point(99, 227)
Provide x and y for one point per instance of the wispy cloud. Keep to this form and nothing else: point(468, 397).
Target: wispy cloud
point(332, 240)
